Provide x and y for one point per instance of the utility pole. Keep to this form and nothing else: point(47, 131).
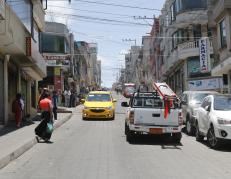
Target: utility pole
point(129, 40)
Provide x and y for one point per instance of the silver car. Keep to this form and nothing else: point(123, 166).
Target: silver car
point(190, 102)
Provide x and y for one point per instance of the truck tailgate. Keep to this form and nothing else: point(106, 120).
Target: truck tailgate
point(155, 117)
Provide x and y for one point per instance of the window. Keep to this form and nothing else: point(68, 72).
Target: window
point(23, 10)
point(223, 34)
point(53, 44)
point(184, 5)
point(179, 37)
point(173, 12)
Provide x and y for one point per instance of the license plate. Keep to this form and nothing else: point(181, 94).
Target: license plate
point(156, 131)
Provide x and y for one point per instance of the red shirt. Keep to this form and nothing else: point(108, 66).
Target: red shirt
point(45, 104)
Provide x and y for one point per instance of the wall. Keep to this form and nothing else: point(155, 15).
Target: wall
point(1, 93)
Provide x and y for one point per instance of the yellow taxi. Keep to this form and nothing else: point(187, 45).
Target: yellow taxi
point(99, 105)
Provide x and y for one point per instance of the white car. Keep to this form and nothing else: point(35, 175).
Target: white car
point(214, 119)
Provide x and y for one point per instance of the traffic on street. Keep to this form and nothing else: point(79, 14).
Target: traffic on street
point(119, 89)
point(98, 149)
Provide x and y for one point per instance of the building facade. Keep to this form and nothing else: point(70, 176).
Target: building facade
point(58, 50)
point(21, 62)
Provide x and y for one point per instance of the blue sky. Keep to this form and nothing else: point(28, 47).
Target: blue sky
point(107, 35)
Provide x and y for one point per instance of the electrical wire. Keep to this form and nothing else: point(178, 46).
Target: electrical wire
point(97, 19)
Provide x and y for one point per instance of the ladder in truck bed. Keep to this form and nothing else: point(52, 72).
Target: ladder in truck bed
point(167, 95)
point(165, 91)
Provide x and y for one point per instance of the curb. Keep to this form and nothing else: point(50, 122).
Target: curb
point(25, 147)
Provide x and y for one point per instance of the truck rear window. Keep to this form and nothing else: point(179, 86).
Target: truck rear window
point(147, 103)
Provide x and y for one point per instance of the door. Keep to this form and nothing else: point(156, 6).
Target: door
point(202, 117)
point(184, 106)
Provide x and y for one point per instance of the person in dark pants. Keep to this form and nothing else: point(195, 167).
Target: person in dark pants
point(55, 103)
point(46, 109)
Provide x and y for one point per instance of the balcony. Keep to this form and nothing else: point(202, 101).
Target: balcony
point(13, 35)
point(191, 49)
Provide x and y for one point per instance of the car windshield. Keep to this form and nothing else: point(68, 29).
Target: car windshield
point(98, 97)
point(198, 97)
point(222, 103)
point(130, 89)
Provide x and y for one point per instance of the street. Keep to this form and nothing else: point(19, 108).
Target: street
point(98, 150)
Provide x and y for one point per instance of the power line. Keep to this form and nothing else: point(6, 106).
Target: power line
point(98, 12)
point(116, 5)
point(99, 19)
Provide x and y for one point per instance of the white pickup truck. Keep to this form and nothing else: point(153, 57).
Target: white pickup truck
point(145, 115)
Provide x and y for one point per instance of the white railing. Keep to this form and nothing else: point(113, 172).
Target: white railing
point(191, 45)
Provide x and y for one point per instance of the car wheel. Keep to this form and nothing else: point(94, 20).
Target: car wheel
point(212, 140)
point(130, 136)
point(113, 118)
point(189, 127)
point(176, 137)
point(199, 137)
point(84, 118)
point(126, 128)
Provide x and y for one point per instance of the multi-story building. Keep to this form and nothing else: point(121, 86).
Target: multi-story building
point(21, 63)
point(58, 50)
point(82, 56)
point(98, 74)
point(220, 22)
point(186, 46)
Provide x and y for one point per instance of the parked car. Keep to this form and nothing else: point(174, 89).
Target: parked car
point(191, 101)
point(213, 119)
point(99, 104)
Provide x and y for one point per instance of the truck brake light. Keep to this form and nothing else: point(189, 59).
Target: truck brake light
point(131, 117)
point(180, 118)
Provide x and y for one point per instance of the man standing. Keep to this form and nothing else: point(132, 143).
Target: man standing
point(55, 104)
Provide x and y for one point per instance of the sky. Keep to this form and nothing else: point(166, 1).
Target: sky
point(111, 36)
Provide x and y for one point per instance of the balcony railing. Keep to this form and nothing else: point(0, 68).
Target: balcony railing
point(190, 49)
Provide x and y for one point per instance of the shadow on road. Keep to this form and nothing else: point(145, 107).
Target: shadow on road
point(11, 127)
point(164, 142)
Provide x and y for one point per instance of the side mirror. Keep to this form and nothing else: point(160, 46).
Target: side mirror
point(82, 100)
point(124, 104)
point(114, 100)
point(208, 108)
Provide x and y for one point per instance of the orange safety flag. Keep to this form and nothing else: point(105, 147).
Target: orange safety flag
point(167, 106)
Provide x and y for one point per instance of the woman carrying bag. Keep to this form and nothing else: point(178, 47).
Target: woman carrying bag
point(45, 128)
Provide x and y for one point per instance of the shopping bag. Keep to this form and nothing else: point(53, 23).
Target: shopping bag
point(50, 128)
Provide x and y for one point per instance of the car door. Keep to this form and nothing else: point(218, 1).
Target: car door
point(207, 115)
point(202, 115)
point(184, 106)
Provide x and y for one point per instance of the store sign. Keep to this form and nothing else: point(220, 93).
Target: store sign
point(2, 9)
point(28, 46)
point(206, 84)
point(57, 60)
point(204, 54)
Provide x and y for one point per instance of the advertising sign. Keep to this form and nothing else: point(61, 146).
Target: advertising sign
point(206, 84)
point(28, 46)
point(57, 60)
point(204, 54)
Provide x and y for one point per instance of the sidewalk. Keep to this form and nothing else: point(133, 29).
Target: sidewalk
point(14, 142)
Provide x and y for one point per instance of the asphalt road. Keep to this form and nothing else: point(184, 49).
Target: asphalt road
point(98, 150)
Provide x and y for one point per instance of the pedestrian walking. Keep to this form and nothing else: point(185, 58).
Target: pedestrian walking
point(55, 104)
point(63, 99)
point(67, 94)
point(45, 128)
point(17, 109)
